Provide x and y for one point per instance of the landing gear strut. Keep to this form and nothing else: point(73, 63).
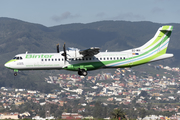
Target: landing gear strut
point(82, 72)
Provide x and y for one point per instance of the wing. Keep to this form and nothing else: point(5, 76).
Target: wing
point(90, 52)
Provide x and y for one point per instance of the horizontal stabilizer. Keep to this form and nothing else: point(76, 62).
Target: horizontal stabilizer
point(164, 56)
point(166, 28)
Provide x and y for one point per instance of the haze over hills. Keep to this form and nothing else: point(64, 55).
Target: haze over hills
point(17, 36)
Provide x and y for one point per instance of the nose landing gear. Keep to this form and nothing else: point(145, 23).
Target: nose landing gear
point(15, 72)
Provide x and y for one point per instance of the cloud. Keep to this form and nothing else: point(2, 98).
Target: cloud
point(129, 16)
point(64, 16)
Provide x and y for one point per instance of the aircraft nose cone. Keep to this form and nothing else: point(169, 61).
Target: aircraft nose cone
point(7, 65)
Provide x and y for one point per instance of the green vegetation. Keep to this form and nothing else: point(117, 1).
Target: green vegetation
point(118, 113)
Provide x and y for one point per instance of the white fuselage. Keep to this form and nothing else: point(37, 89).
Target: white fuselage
point(35, 61)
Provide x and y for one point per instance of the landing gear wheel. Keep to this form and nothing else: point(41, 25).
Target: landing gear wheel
point(82, 72)
point(15, 74)
point(79, 73)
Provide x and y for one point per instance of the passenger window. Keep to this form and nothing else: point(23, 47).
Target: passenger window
point(117, 58)
point(89, 58)
point(45, 59)
point(100, 58)
point(41, 59)
point(55, 59)
point(59, 59)
point(20, 58)
point(48, 59)
point(107, 58)
point(52, 59)
point(124, 58)
point(120, 57)
point(104, 58)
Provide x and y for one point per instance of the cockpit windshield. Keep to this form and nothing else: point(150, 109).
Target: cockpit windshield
point(17, 58)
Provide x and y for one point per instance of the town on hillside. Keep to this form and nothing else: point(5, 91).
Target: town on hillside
point(145, 92)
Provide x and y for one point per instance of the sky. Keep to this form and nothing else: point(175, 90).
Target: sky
point(59, 12)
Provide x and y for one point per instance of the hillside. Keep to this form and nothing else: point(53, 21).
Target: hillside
point(18, 37)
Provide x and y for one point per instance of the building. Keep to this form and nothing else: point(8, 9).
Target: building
point(9, 116)
point(40, 118)
point(71, 116)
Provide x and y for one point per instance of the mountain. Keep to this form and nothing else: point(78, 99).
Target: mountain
point(18, 36)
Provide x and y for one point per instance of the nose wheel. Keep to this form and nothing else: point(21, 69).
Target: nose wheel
point(82, 72)
point(15, 74)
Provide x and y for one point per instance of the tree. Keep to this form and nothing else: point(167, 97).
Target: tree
point(97, 110)
point(144, 94)
point(142, 113)
point(118, 113)
point(105, 111)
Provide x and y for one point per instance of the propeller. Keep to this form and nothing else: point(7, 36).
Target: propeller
point(64, 54)
point(57, 48)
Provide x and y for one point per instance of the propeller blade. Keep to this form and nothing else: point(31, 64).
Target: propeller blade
point(64, 47)
point(64, 54)
point(58, 48)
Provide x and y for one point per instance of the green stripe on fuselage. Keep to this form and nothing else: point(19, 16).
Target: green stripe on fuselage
point(148, 58)
point(96, 65)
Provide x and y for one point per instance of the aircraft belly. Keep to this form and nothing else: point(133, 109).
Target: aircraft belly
point(87, 66)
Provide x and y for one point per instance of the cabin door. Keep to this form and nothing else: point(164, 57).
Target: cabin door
point(130, 57)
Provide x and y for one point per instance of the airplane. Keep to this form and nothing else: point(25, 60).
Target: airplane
point(91, 59)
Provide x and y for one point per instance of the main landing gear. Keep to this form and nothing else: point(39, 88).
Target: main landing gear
point(82, 72)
